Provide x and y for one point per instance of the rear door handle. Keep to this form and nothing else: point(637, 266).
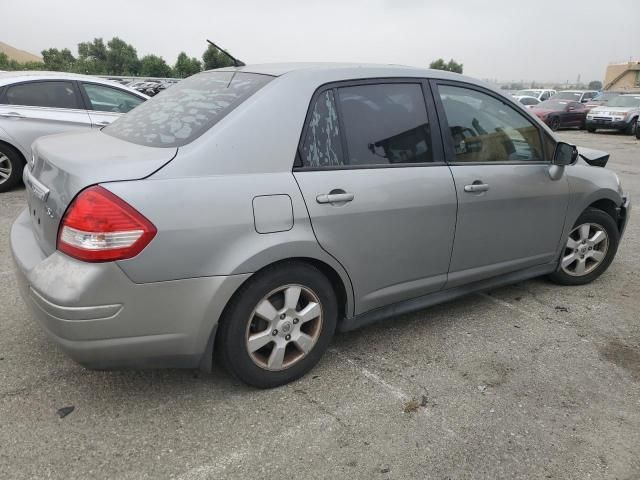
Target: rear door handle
point(12, 115)
point(335, 197)
point(476, 186)
point(102, 124)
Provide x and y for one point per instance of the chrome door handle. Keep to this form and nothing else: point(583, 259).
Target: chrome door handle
point(102, 124)
point(12, 115)
point(476, 187)
point(335, 198)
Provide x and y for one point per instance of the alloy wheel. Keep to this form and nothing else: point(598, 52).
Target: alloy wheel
point(555, 124)
point(284, 327)
point(5, 168)
point(586, 248)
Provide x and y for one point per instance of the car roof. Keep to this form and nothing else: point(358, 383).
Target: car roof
point(356, 70)
point(7, 78)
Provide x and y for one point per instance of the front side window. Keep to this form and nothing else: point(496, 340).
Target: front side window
point(51, 94)
point(185, 111)
point(485, 129)
point(385, 124)
point(108, 99)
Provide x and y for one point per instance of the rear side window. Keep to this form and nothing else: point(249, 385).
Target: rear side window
point(52, 94)
point(108, 99)
point(185, 111)
point(385, 124)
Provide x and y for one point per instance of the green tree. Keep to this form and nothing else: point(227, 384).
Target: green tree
point(595, 85)
point(92, 57)
point(186, 66)
point(214, 58)
point(4, 61)
point(451, 66)
point(154, 66)
point(122, 58)
point(58, 60)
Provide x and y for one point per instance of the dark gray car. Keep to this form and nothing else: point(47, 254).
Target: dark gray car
point(251, 212)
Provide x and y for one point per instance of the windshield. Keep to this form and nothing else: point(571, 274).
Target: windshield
point(625, 101)
point(185, 111)
point(528, 93)
point(553, 104)
point(604, 96)
point(568, 96)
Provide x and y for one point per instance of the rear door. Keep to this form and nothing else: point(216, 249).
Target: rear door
point(29, 110)
point(105, 103)
point(510, 212)
point(380, 196)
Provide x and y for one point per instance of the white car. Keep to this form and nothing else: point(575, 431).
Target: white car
point(34, 104)
point(541, 94)
point(621, 113)
point(526, 100)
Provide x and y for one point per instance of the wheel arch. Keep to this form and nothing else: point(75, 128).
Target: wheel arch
point(16, 148)
point(341, 287)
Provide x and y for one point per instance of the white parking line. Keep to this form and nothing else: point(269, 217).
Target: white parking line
point(395, 391)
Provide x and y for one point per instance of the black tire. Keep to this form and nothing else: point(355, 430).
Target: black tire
point(231, 339)
point(600, 218)
point(637, 132)
point(632, 127)
point(591, 130)
point(10, 159)
point(554, 123)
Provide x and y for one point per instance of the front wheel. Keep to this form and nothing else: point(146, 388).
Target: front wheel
point(591, 246)
point(633, 127)
point(278, 325)
point(591, 130)
point(11, 166)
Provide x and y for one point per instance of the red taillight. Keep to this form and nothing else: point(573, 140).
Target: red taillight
point(100, 227)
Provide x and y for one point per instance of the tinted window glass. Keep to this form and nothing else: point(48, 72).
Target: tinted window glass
point(385, 124)
point(321, 147)
point(56, 94)
point(484, 129)
point(108, 99)
point(187, 110)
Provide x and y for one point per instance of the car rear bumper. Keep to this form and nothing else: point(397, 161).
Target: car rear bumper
point(607, 125)
point(102, 319)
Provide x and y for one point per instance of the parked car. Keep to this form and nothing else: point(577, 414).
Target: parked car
point(561, 113)
point(33, 104)
point(621, 113)
point(256, 229)
point(527, 101)
point(541, 94)
point(601, 99)
point(582, 96)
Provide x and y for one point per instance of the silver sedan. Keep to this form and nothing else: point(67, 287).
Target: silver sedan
point(248, 213)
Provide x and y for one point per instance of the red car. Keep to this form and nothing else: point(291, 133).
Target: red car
point(559, 113)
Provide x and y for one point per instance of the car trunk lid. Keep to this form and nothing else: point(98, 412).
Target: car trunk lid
point(63, 165)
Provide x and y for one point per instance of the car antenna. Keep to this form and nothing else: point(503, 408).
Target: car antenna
point(236, 62)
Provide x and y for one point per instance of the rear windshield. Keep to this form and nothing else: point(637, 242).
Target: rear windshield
point(185, 111)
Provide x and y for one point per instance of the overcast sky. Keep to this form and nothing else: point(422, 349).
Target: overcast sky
point(538, 40)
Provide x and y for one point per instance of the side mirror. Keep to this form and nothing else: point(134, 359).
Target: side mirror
point(565, 154)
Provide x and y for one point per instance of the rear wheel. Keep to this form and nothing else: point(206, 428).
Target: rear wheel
point(554, 123)
point(11, 166)
point(278, 325)
point(590, 249)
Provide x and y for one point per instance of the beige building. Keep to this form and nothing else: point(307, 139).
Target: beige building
point(623, 77)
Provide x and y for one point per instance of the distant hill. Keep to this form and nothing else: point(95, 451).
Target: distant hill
point(18, 55)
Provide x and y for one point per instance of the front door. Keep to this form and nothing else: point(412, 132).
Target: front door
point(30, 110)
point(380, 197)
point(510, 212)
